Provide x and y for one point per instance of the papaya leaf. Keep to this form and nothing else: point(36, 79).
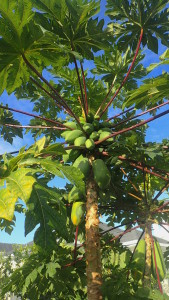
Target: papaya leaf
point(7, 204)
point(20, 184)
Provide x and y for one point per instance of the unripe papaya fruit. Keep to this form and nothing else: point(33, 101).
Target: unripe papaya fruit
point(72, 125)
point(139, 259)
point(88, 128)
point(90, 144)
point(96, 117)
point(82, 163)
point(96, 124)
point(82, 120)
point(105, 129)
point(80, 141)
point(159, 260)
point(75, 194)
point(101, 173)
point(72, 135)
point(94, 136)
point(65, 133)
point(105, 134)
point(77, 213)
point(90, 117)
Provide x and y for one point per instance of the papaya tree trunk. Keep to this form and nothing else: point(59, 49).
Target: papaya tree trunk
point(93, 256)
point(147, 274)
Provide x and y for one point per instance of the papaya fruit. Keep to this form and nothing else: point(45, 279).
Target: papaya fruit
point(77, 213)
point(72, 135)
point(82, 120)
point(90, 144)
point(101, 173)
point(105, 129)
point(74, 195)
point(80, 141)
point(90, 117)
point(96, 124)
point(82, 163)
point(65, 133)
point(70, 124)
point(105, 134)
point(88, 128)
point(159, 260)
point(139, 260)
point(94, 136)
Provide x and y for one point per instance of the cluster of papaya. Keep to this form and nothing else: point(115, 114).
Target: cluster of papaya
point(140, 256)
point(102, 178)
point(92, 131)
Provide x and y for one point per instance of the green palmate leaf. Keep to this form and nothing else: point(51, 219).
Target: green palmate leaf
point(8, 133)
point(7, 204)
point(75, 176)
point(50, 220)
point(151, 92)
point(81, 32)
point(20, 184)
point(128, 17)
point(164, 60)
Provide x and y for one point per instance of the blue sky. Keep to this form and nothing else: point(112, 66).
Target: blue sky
point(157, 131)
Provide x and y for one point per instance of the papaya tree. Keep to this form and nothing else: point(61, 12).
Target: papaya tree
point(49, 57)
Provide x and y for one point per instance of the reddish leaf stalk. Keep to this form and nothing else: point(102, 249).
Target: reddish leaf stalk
point(145, 165)
point(161, 191)
point(121, 234)
point(158, 278)
point(35, 127)
point(118, 226)
point(85, 90)
point(58, 102)
point(124, 80)
point(141, 114)
point(165, 224)
point(64, 104)
point(133, 127)
point(80, 85)
point(72, 263)
point(111, 87)
point(122, 113)
point(33, 115)
point(159, 208)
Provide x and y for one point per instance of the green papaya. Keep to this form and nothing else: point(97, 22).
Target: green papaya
point(65, 133)
point(75, 194)
point(90, 117)
point(82, 120)
point(105, 129)
point(82, 163)
point(97, 117)
point(159, 260)
point(77, 213)
point(105, 134)
point(96, 124)
point(94, 136)
point(88, 128)
point(139, 260)
point(80, 141)
point(72, 135)
point(72, 125)
point(90, 144)
point(101, 174)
